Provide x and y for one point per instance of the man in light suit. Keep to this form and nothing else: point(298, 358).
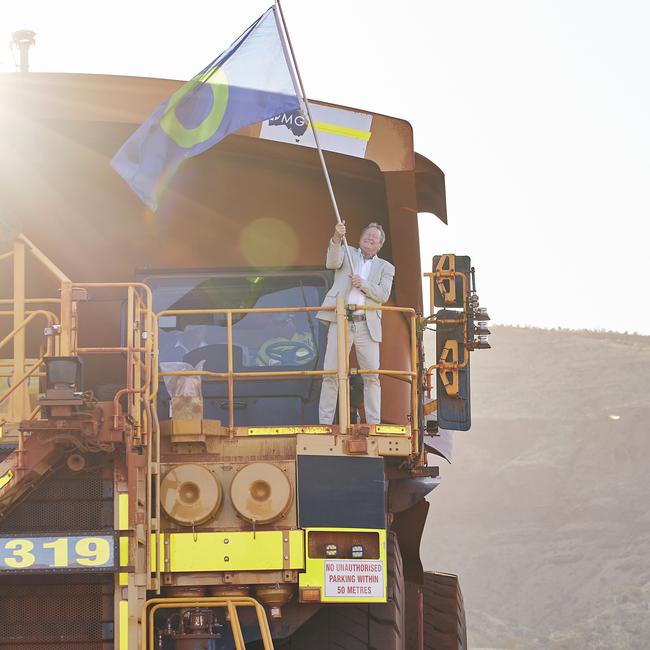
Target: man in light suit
point(368, 284)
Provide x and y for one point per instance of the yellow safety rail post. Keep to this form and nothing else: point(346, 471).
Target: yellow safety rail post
point(343, 365)
point(231, 383)
point(154, 444)
point(19, 402)
point(130, 369)
point(230, 604)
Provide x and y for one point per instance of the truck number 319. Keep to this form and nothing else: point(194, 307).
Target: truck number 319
point(56, 552)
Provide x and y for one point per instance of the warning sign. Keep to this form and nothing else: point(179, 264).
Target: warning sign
point(354, 579)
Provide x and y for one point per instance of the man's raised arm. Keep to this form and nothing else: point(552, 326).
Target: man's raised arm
point(335, 252)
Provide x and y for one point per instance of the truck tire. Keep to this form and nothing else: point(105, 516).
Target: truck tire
point(444, 613)
point(358, 627)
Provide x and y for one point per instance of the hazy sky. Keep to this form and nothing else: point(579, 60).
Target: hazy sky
point(537, 110)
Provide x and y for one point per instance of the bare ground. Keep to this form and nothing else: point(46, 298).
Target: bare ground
point(545, 512)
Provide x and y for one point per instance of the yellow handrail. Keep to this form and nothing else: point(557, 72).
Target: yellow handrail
point(143, 390)
point(152, 605)
point(44, 260)
point(32, 301)
point(22, 380)
point(20, 327)
point(343, 371)
point(43, 311)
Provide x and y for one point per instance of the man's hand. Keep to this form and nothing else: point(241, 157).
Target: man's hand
point(339, 232)
point(357, 282)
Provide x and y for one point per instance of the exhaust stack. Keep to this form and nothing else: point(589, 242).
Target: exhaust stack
point(22, 40)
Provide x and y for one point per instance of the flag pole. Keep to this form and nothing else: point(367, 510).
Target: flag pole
point(303, 96)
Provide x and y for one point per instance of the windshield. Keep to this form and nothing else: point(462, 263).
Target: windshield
point(259, 340)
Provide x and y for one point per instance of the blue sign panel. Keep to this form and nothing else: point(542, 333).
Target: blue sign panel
point(38, 554)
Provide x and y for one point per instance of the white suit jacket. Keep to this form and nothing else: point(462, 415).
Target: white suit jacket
point(376, 288)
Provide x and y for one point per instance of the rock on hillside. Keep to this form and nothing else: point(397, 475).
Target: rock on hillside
point(545, 511)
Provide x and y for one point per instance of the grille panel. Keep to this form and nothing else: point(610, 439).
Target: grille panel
point(60, 612)
point(57, 612)
point(66, 501)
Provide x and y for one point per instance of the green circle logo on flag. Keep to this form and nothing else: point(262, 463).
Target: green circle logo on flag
point(188, 138)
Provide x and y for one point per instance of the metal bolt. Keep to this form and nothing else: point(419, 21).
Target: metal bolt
point(226, 558)
point(226, 541)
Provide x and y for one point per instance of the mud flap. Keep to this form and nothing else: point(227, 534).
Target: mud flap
point(408, 525)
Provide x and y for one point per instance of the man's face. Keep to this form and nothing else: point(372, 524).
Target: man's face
point(370, 241)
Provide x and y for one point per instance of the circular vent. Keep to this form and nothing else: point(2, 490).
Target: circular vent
point(190, 494)
point(261, 492)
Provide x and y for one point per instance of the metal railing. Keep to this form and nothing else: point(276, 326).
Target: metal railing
point(140, 352)
point(20, 376)
point(230, 604)
point(140, 420)
point(342, 372)
point(17, 396)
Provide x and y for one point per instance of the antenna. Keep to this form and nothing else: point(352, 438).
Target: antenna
point(23, 39)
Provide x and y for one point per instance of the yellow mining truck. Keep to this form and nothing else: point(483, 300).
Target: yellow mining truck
point(164, 480)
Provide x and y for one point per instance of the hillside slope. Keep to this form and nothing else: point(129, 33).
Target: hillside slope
point(545, 511)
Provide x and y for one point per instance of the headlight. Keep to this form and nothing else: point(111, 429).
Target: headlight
point(331, 550)
point(357, 551)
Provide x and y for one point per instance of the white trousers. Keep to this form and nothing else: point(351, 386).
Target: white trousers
point(368, 357)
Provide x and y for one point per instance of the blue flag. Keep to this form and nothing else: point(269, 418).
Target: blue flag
point(250, 82)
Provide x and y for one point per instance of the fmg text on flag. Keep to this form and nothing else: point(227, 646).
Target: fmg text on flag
point(250, 82)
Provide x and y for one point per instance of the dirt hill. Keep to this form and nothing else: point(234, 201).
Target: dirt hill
point(545, 511)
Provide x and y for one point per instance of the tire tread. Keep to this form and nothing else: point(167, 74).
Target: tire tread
point(444, 613)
